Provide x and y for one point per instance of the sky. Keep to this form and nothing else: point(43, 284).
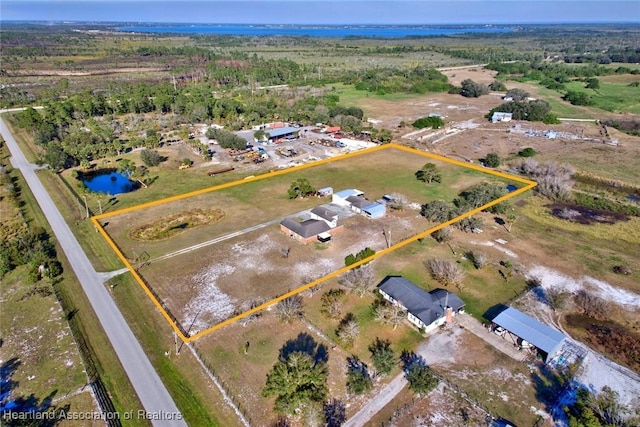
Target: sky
point(325, 11)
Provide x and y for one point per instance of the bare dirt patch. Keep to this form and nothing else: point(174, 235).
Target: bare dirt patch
point(583, 215)
point(169, 226)
point(619, 343)
point(478, 75)
point(208, 285)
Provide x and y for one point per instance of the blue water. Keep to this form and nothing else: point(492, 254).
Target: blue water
point(511, 188)
point(110, 183)
point(384, 31)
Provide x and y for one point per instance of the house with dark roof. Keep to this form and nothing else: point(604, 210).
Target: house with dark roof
point(426, 310)
point(325, 214)
point(320, 226)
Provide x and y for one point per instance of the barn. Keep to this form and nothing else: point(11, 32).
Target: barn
point(527, 332)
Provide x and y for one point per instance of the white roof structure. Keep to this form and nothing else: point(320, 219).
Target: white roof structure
point(545, 338)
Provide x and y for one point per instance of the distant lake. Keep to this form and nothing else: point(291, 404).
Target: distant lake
point(382, 31)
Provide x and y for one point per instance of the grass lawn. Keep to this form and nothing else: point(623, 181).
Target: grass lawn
point(251, 203)
point(244, 375)
point(614, 97)
point(582, 249)
point(350, 96)
point(68, 203)
point(183, 281)
point(50, 362)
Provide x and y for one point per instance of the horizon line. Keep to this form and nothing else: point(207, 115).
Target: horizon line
point(66, 21)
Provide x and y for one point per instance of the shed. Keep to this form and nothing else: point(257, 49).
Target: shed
point(546, 339)
point(326, 191)
point(375, 210)
point(282, 132)
point(358, 203)
point(340, 198)
point(501, 117)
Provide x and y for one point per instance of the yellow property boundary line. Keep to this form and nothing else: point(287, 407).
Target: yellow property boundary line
point(96, 221)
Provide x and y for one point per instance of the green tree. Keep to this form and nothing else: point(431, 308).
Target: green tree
point(421, 379)
point(593, 83)
point(492, 160)
point(295, 381)
point(150, 157)
point(383, 356)
point(126, 166)
point(428, 122)
point(437, 211)
point(352, 259)
point(527, 152)
point(497, 86)
point(56, 157)
point(358, 378)
point(517, 94)
point(578, 98)
point(301, 187)
point(471, 89)
point(429, 173)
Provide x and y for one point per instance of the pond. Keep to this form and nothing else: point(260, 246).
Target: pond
point(110, 183)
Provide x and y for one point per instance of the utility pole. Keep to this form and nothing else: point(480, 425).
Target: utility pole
point(100, 205)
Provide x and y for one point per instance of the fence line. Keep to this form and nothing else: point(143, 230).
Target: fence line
point(86, 354)
point(222, 387)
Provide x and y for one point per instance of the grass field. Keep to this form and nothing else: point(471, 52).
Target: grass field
point(245, 374)
point(614, 97)
point(36, 331)
point(205, 285)
point(196, 396)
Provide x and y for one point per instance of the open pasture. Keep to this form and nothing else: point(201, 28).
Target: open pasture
point(209, 276)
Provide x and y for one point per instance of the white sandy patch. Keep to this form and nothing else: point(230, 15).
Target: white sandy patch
point(210, 302)
point(251, 255)
point(314, 270)
point(498, 247)
point(554, 279)
point(597, 372)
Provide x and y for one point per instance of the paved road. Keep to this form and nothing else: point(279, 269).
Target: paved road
point(152, 393)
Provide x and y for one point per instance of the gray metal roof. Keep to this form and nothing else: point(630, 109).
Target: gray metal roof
point(375, 209)
point(348, 192)
point(526, 327)
point(275, 133)
point(325, 213)
point(358, 201)
point(308, 228)
point(426, 306)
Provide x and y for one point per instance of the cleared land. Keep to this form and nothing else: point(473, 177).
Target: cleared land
point(202, 286)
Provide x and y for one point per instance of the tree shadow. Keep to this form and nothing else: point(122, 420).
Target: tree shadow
point(409, 358)
point(305, 343)
point(553, 389)
point(12, 403)
point(493, 311)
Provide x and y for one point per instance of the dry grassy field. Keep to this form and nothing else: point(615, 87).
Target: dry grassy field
point(205, 275)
